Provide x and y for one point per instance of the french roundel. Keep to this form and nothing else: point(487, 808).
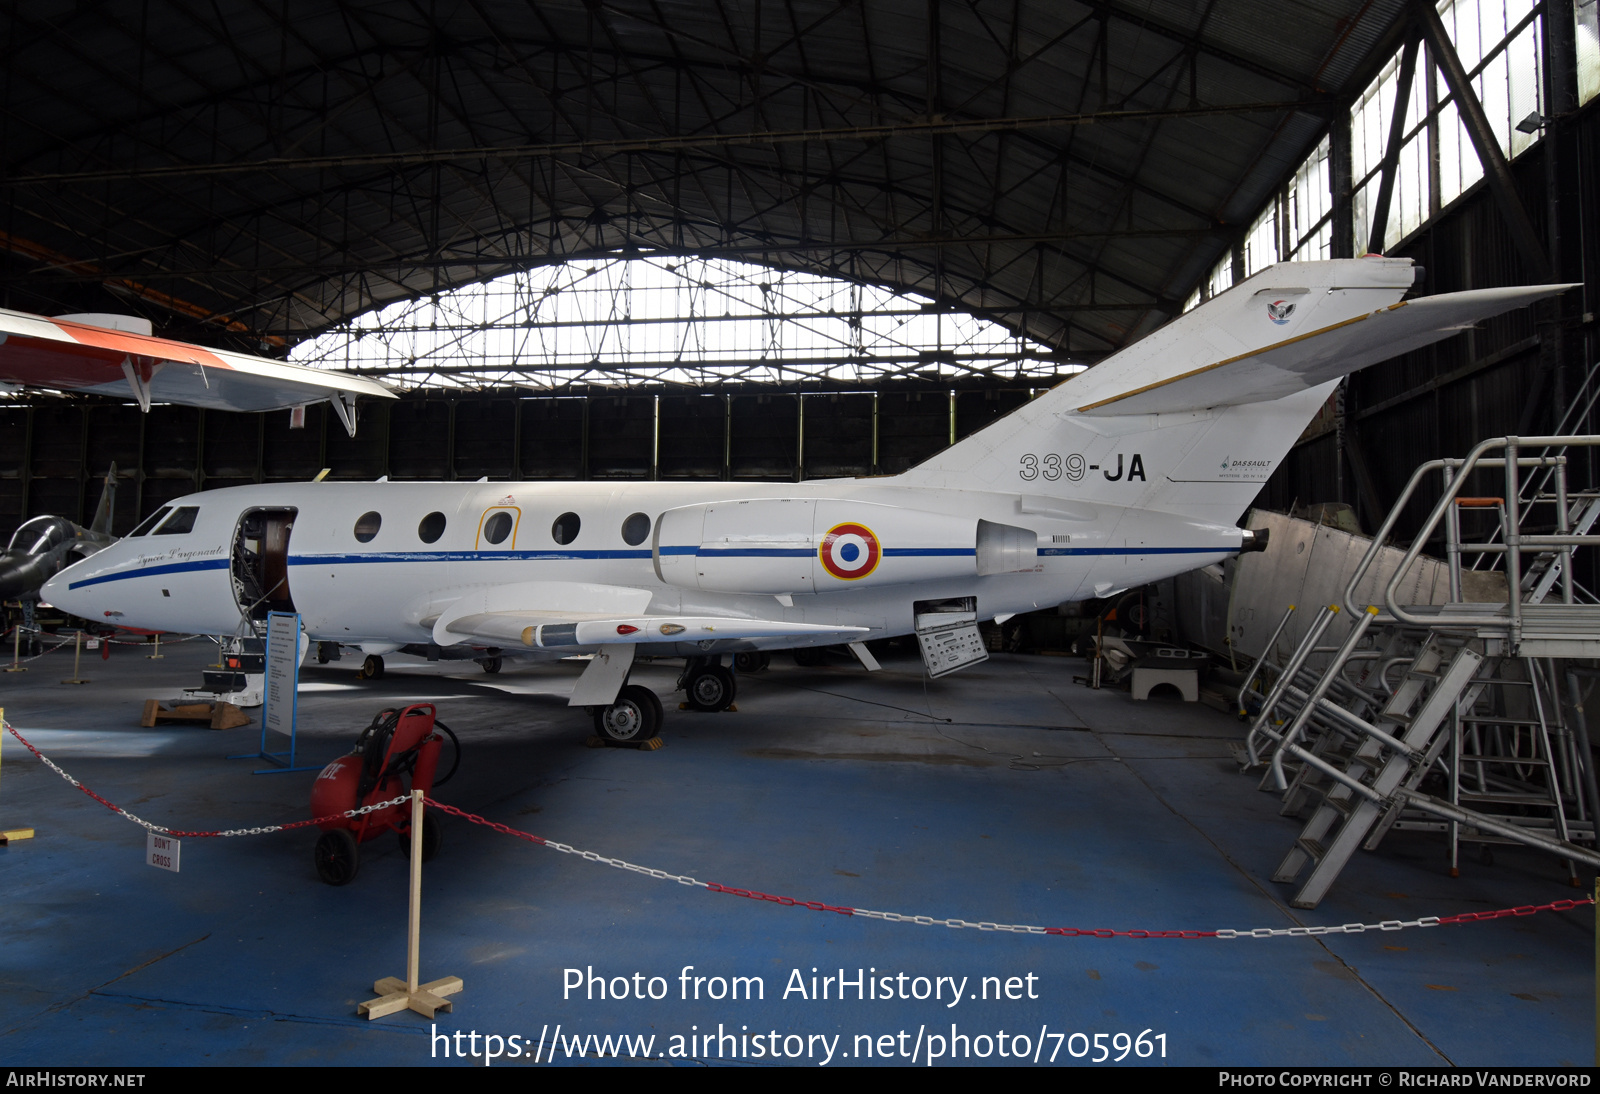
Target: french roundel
point(849, 551)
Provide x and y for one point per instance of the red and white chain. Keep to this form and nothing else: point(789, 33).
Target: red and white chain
point(818, 906)
point(164, 830)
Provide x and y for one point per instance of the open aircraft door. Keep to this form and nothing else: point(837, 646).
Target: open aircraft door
point(259, 562)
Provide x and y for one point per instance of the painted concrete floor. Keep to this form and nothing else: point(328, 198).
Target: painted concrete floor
point(1006, 794)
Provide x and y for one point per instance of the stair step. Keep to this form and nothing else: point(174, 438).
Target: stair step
point(1534, 761)
point(1506, 798)
point(1312, 848)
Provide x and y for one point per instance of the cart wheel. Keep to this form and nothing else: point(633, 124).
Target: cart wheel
point(432, 837)
point(337, 857)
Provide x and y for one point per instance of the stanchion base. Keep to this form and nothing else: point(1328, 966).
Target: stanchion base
point(10, 835)
point(16, 668)
point(427, 1000)
point(74, 681)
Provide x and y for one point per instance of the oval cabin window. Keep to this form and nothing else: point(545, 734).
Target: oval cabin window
point(635, 529)
point(497, 527)
point(367, 525)
point(431, 528)
point(565, 529)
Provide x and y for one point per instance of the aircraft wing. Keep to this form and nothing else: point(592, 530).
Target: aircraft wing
point(1303, 362)
point(67, 355)
point(552, 630)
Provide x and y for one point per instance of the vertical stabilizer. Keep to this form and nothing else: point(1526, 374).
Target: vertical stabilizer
point(104, 512)
point(1194, 418)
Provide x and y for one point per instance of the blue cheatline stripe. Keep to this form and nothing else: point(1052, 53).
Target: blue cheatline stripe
point(1137, 550)
point(367, 558)
point(154, 571)
point(954, 552)
point(578, 556)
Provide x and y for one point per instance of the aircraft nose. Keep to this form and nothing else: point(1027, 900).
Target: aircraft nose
point(13, 574)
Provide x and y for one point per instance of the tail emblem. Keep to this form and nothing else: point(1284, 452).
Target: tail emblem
point(1279, 311)
point(849, 551)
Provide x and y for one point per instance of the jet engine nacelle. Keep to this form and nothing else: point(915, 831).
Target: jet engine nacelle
point(794, 545)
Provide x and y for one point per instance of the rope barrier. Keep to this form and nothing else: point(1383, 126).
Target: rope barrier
point(818, 906)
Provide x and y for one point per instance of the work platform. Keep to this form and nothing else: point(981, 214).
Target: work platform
point(1005, 793)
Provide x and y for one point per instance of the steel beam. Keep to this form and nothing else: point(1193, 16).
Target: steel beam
point(1495, 168)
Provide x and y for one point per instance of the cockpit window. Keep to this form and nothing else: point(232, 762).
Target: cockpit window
point(38, 535)
point(180, 522)
point(151, 521)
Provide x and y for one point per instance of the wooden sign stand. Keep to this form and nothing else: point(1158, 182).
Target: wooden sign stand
point(395, 994)
point(8, 835)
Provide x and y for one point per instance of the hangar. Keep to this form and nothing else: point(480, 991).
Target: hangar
point(775, 243)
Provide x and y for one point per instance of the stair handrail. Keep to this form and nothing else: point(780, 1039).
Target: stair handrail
point(1515, 541)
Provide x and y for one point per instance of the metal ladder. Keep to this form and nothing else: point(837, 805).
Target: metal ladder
point(1367, 754)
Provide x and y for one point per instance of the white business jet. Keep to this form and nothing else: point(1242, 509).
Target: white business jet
point(1132, 471)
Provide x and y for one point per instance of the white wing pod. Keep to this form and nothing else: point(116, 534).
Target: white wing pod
point(787, 546)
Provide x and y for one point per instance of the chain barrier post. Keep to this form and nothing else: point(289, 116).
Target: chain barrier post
point(395, 994)
point(158, 655)
point(77, 653)
point(9, 834)
point(16, 650)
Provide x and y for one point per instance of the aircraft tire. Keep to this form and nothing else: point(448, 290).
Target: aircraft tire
point(372, 668)
point(337, 857)
point(809, 657)
point(635, 716)
point(432, 838)
point(753, 661)
point(710, 688)
point(491, 665)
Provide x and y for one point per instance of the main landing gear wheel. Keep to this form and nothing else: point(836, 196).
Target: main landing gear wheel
point(337, 857)
point(751, 662)
point(372, 668)
point(491, 665)
point(635, 716)
point(809, 657)
point(710, 688)
point(432, 837)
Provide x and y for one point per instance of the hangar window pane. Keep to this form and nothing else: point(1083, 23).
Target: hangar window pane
point(367, 525)
point(1586, 13)
point(672, 320)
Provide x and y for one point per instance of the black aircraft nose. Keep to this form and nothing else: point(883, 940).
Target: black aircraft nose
point(20, 574)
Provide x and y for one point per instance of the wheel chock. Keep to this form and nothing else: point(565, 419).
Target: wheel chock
point(11, 835)
point(642, 746)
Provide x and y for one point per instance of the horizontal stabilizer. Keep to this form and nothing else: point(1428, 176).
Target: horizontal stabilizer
point(551, 630)
point(66, 354)
point(1308, 360)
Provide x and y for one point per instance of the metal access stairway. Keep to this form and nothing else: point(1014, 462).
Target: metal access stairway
point(1336, 735)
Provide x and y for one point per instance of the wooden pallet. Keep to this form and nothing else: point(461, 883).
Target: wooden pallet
point(215, 715)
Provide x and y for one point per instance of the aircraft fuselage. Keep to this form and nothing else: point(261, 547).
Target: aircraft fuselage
point(375, 564)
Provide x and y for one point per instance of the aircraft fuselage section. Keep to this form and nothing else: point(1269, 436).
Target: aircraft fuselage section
point(378, 563)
